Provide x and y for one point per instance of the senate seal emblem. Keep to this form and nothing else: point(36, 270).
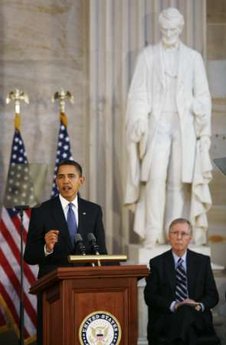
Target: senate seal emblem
point(100, 328)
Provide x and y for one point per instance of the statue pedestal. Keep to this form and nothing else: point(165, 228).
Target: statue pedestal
point(140, 255)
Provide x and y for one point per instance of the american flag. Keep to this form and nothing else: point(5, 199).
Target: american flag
point(19, 191)
point(63, 149)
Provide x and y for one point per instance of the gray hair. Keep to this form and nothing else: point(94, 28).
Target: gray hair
point(181, 221)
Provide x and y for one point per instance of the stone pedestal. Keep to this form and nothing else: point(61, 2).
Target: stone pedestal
point(139, 255)
point(142, 315)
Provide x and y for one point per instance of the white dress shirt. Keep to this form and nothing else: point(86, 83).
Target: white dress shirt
point(64, 203)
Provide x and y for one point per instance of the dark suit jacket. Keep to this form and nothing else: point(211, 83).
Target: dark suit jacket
point(50, 216)
point(160, 286)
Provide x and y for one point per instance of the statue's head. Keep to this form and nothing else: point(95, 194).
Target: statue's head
point(171, 24)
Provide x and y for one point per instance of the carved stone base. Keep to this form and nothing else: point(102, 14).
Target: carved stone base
point(139, 255)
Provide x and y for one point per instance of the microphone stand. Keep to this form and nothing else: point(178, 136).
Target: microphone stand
point(80, 244)
point(21, 209)
point(95, 247)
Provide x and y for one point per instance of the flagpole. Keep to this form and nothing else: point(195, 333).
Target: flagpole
point(17, 96)
point(21, 339)
point(63, 143)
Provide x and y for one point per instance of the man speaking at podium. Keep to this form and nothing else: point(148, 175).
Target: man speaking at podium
point(55, 224)
point(50, 239)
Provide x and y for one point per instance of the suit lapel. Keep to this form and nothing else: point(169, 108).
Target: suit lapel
point(191, 272)
point(82, 216)
point(170, 270)
point(58, 215)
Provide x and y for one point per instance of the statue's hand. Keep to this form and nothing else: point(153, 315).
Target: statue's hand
point(141, 128)
point(142, 135)
point(205, 143)
point(131, 207)
point(137, 130)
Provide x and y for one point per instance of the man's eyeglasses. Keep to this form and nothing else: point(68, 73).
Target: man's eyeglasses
point(178, 233)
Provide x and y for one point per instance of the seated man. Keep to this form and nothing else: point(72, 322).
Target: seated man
point(180, 291)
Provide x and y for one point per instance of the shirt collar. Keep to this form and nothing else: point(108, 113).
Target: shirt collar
point(64, 202)
point(176, 258)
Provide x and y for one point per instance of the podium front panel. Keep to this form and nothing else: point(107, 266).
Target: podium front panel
point(114, 297)
point(70, 304)
point(91, 306)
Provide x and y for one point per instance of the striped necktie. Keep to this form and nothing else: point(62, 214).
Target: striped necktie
point(71, 222)
point(181, 281)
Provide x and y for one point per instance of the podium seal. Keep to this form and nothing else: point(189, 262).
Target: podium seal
point(100, 328)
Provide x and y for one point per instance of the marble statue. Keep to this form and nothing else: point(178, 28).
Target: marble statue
point(168, 128)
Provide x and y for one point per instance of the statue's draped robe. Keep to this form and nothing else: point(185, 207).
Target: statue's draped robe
point(145, 102)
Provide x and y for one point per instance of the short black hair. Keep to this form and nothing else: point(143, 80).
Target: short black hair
point(70, 162)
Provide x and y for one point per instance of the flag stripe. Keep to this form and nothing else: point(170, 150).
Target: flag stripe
point(14, 245)
point(14, 265)
point(19, 191)
point(13, 311)
point(9, 303)
point(16, 284)
point(16, 222)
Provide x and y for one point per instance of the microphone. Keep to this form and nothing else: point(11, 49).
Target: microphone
point(80, 244)
point(93, 243)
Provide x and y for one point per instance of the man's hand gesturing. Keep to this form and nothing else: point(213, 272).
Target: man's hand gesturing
point(51, 238)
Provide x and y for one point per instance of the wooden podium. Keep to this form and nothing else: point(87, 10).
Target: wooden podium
point(90, 305)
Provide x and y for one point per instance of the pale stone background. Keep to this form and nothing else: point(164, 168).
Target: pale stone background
point(89, 47)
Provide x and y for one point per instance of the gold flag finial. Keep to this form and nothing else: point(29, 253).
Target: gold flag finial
point(17, 96)
point(62, 96)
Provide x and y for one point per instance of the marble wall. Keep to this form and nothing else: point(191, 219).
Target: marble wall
point(216, 67)
point(90, 48)
point(43, 48)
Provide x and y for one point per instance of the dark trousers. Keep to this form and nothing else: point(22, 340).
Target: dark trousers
point(183, 327)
